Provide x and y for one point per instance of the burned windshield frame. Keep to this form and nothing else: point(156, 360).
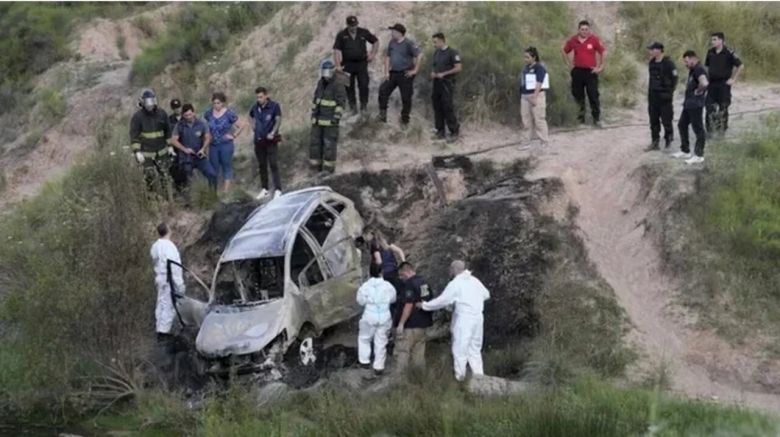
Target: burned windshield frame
point(249, 281)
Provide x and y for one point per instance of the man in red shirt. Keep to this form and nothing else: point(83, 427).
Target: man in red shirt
point(587, 62)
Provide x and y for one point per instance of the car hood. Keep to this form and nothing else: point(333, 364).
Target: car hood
point(238, 330)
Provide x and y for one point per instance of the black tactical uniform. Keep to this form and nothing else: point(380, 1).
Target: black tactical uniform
point(444, 90)
point(720, 67)
point(661, 86)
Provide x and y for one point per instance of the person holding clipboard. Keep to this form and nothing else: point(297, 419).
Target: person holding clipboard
point(533, 103)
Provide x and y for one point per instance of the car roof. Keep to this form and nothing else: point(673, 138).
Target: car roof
point(271, 227)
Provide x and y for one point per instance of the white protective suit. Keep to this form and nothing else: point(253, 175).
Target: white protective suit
point(375, 295)
point(469, 296)
point(162, 251)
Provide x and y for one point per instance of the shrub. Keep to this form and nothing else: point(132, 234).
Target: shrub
point(750, 28)
point(50, 107)
point(198, 30)
point(491, 42)
point(74, 270)
point(726, 238)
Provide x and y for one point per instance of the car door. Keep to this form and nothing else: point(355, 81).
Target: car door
point(191, 306)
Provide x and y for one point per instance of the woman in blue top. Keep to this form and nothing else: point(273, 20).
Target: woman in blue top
point(225, 127)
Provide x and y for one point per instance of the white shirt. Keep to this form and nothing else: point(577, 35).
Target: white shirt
point(466, 292)
point(162, 251)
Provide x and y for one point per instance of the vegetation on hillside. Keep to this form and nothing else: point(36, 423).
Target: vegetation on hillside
point(76, 287)
point(34, 36)
point(491, 40)
point(198, 30)
point(432, 404)
point(752, 29)
point(728, 240)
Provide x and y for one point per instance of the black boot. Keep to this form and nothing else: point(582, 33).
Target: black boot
point(383, 116)
point(652, 146)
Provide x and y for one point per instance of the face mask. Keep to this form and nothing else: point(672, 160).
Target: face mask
point(326, 73)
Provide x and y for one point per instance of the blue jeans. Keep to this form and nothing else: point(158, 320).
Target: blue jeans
point(221, 157)
point(189, 164)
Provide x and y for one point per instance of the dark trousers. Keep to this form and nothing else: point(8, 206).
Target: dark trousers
point(583, 81)
point(718, 101)
point(661, 111)
point(444, 105)
point(184, 167)
point(267, 156)
point(358, 72)
point(323, 147)
point(692, 117)
point(398, 79)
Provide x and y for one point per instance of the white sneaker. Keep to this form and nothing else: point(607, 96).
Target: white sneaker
point(262, 194)
point(682, 155)
point(695, 160)
point(277, 193)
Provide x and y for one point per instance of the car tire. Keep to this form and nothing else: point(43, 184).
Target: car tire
point(304, 360)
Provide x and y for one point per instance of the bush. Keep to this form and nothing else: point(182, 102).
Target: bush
point(34, 36)
point(50, 107)
point(491, 42)
point(74, 269)
point(751, 29)
point(197, 31)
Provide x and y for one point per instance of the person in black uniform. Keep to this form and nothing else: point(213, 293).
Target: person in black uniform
point(350, 55)
point(693, 107)
point(661, 85)
point(178, 170)
point(412, 326)
point(723, 67)
point(446, 66)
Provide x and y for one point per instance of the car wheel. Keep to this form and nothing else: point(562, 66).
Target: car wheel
point(307, 353)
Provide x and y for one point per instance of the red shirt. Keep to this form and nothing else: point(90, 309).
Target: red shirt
point(585, 51)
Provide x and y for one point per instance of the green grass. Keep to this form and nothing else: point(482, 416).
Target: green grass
point(751, 29)
point(433, 405)
point(727, 237)
point(199, 30)
point(34, 36)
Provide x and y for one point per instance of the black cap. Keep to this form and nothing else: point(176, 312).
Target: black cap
point(175, 103)
point(399, 27)
point(352, 20)
point(656, 46)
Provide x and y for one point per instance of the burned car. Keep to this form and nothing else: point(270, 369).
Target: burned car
point(290, 273)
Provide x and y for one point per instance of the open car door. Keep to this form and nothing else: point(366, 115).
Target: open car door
point(190, 309)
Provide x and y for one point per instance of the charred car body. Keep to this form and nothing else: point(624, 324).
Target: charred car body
point(287, 275)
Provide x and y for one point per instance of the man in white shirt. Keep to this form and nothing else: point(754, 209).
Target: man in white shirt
point(468, 295)
point(163, 250)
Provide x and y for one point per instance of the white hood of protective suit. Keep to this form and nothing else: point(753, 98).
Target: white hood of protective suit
point(376, 295)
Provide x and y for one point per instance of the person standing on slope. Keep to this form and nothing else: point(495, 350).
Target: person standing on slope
point(662, 81)
point(693, 108)
point(375, 295)
point(468, 295)
point(588, 62)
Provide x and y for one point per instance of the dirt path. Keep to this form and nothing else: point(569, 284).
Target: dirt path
point(598, 168)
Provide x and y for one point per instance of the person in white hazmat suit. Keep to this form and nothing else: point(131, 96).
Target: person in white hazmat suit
point(163, 250)
point(469, 296)
point(375, 295)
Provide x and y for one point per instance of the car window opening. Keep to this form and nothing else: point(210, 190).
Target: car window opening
point(320, 223)
point(302, 257)
point(250, 281)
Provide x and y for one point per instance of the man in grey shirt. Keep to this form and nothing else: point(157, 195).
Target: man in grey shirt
point(402, 62)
